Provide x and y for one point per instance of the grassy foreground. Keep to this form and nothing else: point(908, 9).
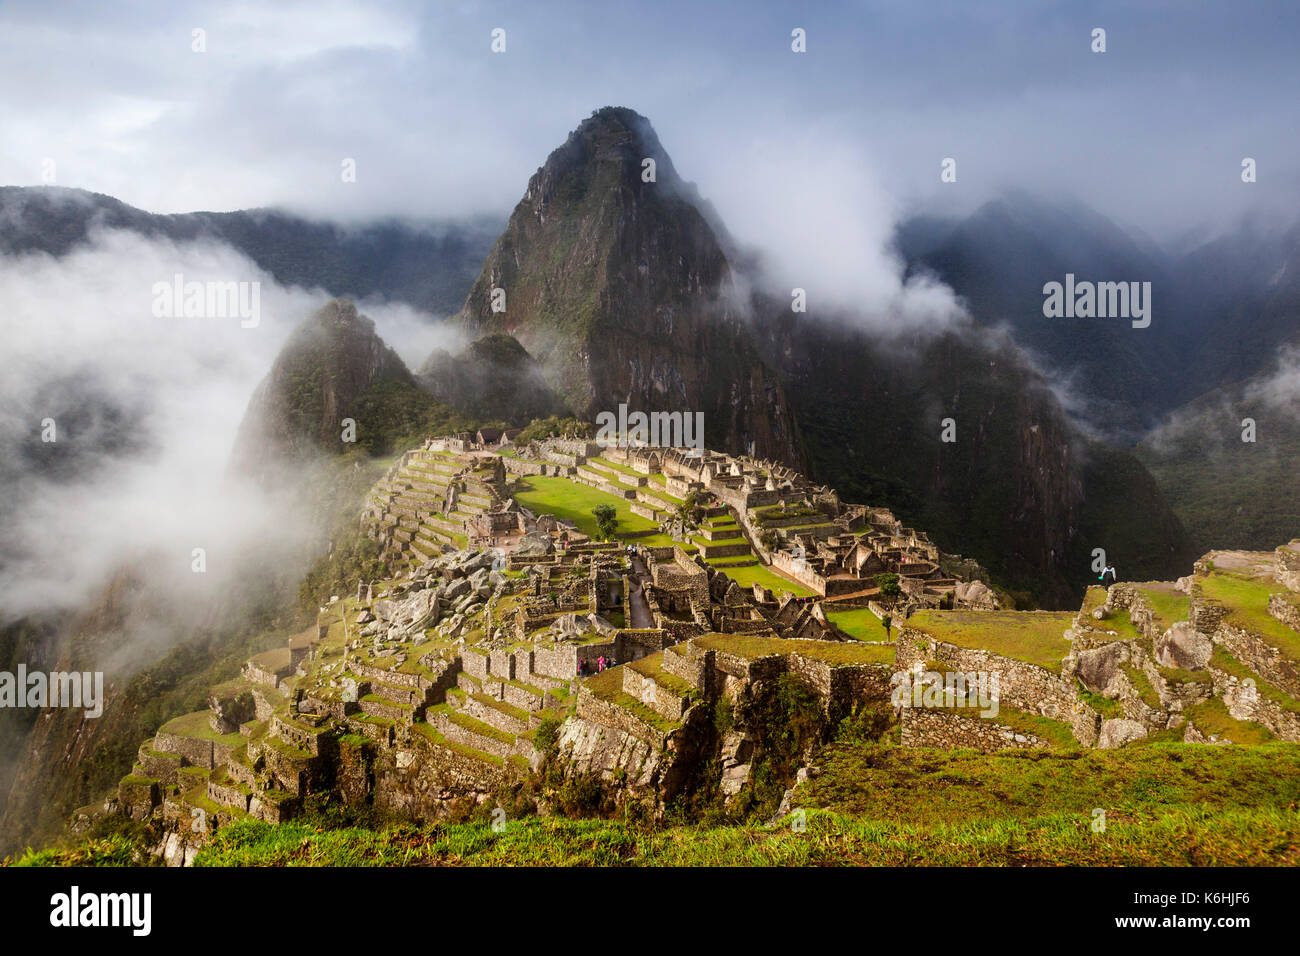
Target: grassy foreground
point(1173, 836)
point(868, 804)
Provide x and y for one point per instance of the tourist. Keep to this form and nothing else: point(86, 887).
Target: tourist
point(1109, 572)
point(600, 664)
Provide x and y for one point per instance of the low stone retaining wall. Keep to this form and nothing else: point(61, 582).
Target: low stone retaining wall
point(937, 728)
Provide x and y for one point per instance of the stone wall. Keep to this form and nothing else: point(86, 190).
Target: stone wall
point(922, 727)
point(1021, 685)
point(1288, 565)
point(1264, 659)
point(1284, 607)
point(645, 510)
point(799, 570)
point(600, 711)
point(1245, 703)
point(559, 661)
point(842, 684)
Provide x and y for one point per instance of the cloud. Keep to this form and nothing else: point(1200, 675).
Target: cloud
point(441, 126)
point(1280, 389)
point(815, 209)
point(145, 412)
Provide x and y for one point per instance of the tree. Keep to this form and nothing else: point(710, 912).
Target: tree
point(606, 521)
point(887, 622)
point(889, 586)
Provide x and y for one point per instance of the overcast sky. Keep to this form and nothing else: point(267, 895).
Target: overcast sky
point(1151, 132)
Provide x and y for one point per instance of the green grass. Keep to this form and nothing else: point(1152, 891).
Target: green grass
point(860, 623)
point(1138, 678)
point(752, 647)
point(870, 804)
point(1224, 661)
point(769, 578)
point(1169, 836)
point(937, 786)
point(1105, 706)
point(1122, 624)
point(608, 686)
point(653, 666)
point(135, 780)
point(110, 851)
point(1034, 637)
point(571, 501)
point(1247, 601)
point(196, 725)
point(1168, 607)
point(1212, 717)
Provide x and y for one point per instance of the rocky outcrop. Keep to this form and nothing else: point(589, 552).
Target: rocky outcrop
point(1118, 732)
point(1099, 668)
point(1183, 646)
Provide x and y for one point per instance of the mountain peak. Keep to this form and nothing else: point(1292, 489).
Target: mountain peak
point(333, 368)
point(616, 282)
point(604, 158)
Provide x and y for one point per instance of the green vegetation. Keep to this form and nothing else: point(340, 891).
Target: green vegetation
point(608, 685)
point(888, 585)
point(938, 786)
point(1121, 622)
point(1166, 804)
point(606, 521)
point(1226, 662)
point(355, 558)
point(1247, 602)
point(752, 647)
point(1227, 493)
point(573, 502)
point(1168, 606)
point(770, 578)
point(784, 719)
point(1036, 638)
point(1212, 717)
point(555, 426)
point(860, 623)
point(1138, 678)
point(1105, 706)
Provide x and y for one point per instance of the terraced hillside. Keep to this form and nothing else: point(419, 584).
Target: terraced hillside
point(428, 499)
point(475, 675)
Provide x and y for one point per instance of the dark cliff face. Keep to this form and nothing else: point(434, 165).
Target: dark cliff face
point(334, 367)
point(1020, 490)
point(622, 292)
